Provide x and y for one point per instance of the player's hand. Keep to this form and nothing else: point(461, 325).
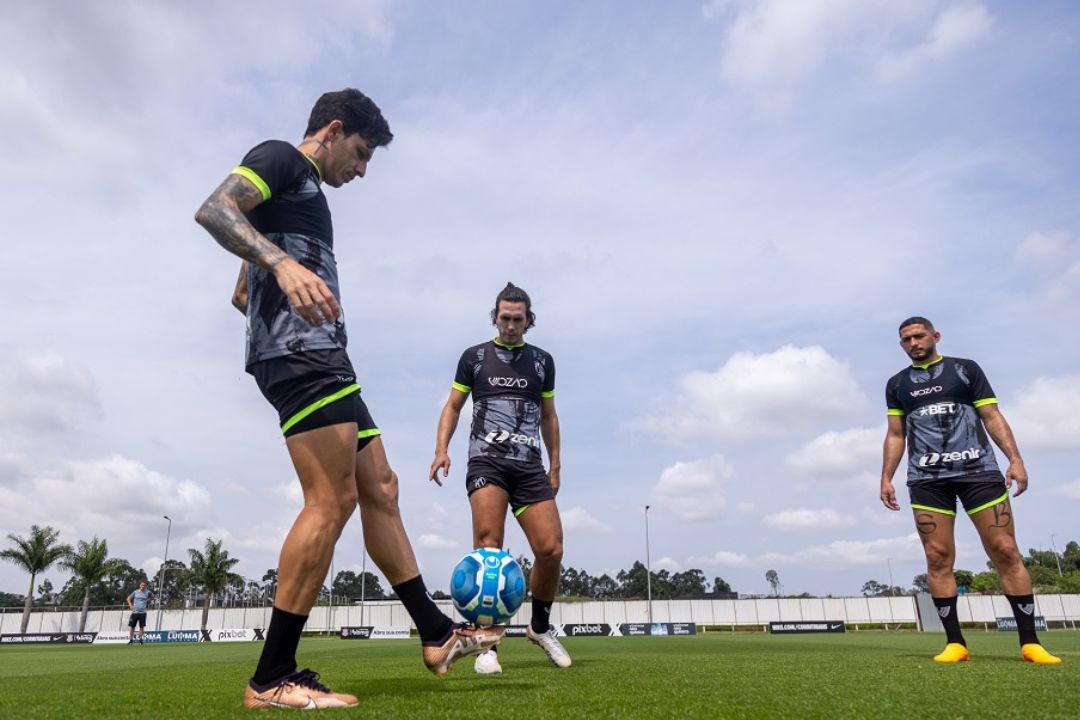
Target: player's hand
point(553, 480)
point(307, 292)
point(1016, 473)
point(888, 495)
point(441, 462)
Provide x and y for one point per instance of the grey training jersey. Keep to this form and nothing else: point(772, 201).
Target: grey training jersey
point(139, 600)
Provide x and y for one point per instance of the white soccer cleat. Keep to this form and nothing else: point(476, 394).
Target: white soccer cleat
point(487, 663)
point(550, 644)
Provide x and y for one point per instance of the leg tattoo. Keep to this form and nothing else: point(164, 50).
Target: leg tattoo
point(926, 523)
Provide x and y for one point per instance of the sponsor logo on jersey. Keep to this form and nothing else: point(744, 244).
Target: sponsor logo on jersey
point(934, 458)
point(942, 408)
point(497, 436)
point(508, 382)
point(926, 391)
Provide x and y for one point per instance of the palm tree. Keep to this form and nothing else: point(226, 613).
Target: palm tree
point(34, 554)
point(211, 569)
point(90, 563)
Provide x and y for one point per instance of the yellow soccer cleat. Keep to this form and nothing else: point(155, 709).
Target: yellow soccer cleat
point(1036, 653)
point(954, 653)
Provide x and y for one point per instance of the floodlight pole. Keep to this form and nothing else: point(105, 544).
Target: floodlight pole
point(891, 586)
point(363, 582)
point(648, 565)
point(161, 580)
point(1056, 556)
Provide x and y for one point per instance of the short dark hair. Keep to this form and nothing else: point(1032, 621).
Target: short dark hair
point(916, 320)
point(357, 113)
point(512, 293)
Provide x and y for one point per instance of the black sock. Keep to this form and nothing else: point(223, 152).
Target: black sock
point(279, 651)
point(1023, 607)
point(541, 615)
point(430, 621)
point(946, 610)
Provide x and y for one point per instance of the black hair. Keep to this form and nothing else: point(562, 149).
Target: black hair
point(917, 320)
point(357, 113)
point(512, 293)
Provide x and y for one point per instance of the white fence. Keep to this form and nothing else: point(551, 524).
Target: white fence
point(760, 611)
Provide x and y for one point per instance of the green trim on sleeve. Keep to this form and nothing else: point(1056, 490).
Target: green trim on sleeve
point(462, 388)
point(992, 503)
point(893, 411)
point(319, 404)
point(547, 394)
point(933, 509)
point(985, 401)
point(253, 177)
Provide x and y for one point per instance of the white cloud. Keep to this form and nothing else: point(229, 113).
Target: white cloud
point(762, 395)
point(773, 41)
point(846, 456)
point(720, 558)
point(45, 397)
point(666, 563)
point(432, 541)
point(1056, 258)
point(694, 490)
point(1044, 416)
point(113, 497)
point(805, 519)
point(955, 29)
point(745, 507)
point(842, 554)
point(578, 519)
point(1070, 490)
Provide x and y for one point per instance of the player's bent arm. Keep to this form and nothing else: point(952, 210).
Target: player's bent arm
point(892, 454)
point(240, 292)
point(222, 215)
point(448, 421)
point(1002, 434)
point(549, 430)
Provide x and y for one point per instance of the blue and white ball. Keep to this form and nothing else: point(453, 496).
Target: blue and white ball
point(487, 586)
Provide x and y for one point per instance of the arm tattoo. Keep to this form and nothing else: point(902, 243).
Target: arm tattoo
point(223, 217)
point(925, 523)
point(1002, 515)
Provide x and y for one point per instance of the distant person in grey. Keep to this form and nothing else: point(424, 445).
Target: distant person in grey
point(137, 602)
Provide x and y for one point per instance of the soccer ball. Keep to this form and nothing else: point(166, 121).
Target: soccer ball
point(487, 586)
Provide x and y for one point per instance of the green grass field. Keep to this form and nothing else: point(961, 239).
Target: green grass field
point(858, 675)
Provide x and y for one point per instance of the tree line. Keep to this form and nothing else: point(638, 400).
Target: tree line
point(1051, 572)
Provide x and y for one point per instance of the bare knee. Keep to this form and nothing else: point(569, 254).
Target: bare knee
point(939, 560)
point(379, 492)
point(1005, 556)
point(488, 538)
point(548, 550)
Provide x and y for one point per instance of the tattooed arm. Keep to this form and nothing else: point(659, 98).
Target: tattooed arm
point(240, 292)
point(892, 453)
point(223, 217)
point(1003, 437)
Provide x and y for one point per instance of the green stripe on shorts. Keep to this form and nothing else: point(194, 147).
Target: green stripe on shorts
point(370, 432)
point(319, 404)
point(933, 509)
point(517, 513)
point(992, 503)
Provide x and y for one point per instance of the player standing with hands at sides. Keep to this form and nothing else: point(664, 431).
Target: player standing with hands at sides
point(271, 211)
point(943, 408)
point(137, 602)
point(513, 389)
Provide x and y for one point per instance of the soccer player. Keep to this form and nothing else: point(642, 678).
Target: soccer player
point(271, 211)
point(943, 408)
point(137, 602)
point(513, 389)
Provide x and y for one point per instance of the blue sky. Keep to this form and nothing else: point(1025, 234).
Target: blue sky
point(721, 210)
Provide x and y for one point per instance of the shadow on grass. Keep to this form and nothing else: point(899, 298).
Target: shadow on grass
point(482, 685)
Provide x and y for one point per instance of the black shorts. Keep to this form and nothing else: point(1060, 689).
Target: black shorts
point(315, 389)
point(976, 492)
point(525, 483)
point(137, 619)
